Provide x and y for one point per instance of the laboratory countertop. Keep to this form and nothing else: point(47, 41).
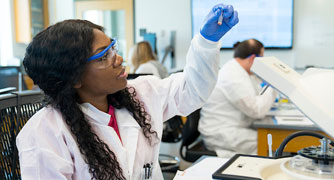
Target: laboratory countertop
point(268, 123)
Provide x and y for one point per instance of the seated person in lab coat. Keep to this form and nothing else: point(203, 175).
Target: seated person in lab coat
point(96, 124)
point(235, 103)
point(145, 61)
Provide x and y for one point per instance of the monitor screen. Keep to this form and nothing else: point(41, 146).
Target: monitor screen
point(9, 77)
point(269, 21)
point(151, 38)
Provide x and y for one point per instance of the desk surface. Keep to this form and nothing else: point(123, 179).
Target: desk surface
point(268, 123)
point(202, 169)
point(279, 133)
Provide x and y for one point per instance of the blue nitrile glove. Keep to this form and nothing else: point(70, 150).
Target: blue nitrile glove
point(211, 30)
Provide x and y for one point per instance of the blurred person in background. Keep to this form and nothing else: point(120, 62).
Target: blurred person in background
point(235, 104)
point(144, 61)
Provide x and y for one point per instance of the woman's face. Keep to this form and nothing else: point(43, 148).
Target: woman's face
point(98, 80)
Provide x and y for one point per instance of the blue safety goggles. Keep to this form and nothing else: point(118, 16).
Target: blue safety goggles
point(100, 54)
point(256, 55)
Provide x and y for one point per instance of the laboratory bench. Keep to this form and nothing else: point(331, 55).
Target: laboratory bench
point(279, 133)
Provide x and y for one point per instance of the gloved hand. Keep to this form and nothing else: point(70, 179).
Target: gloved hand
point(211, 30)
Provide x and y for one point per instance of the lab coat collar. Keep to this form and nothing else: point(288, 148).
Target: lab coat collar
point(99, 116)
point(123, 117)
point(241, 69)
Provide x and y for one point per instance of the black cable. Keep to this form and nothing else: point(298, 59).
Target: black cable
point(280, 149)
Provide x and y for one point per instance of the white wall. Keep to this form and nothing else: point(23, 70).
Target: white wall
point(314, 33)
point(313, 30)
point(162, 17)
point(60, 10)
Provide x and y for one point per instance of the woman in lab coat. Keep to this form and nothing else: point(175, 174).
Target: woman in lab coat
point(96, 125)
point(235, 104)
point(145, 61)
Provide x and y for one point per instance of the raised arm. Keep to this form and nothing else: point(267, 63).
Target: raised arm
point(188, 91)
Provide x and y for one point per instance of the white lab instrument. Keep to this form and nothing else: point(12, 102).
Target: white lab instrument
point(312, 93)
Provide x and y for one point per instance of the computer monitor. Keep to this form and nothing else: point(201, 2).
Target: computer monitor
point(270, 22)
point(9, 77)
point(152, 39)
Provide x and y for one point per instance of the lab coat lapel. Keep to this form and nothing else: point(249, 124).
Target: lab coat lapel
point(108, 135)
point(129, 130)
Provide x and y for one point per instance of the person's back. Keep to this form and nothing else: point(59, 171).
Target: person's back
point(232, 107)
point(153, 67)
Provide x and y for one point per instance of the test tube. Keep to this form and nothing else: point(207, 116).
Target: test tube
point(220, 20)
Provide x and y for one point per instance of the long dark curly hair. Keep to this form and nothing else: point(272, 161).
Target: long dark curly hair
point(55, 60)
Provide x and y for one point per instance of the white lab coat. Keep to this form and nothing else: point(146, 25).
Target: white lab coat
point(232, 107)
point(153, 67)
point(48, 150)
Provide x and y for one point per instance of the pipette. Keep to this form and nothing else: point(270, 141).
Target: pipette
point(270, 143)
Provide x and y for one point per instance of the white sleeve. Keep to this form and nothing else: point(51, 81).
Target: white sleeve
point(193, 87)
point(41, 163)
point(44, 156)
point(256, 107)
point(148, 69)
point(184, 92)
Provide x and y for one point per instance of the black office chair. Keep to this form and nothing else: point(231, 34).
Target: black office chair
point(15, 110)
point(193, 150)
point(171, 134)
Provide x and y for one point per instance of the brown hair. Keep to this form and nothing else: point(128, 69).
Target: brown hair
point(246, 48)
point(142, 53)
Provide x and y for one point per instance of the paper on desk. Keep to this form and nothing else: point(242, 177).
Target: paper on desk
point(285, 112)
point(293, 120)
point(203, 170)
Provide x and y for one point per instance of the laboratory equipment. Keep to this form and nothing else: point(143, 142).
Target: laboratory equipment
point(312, 94)
point(270, 143)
